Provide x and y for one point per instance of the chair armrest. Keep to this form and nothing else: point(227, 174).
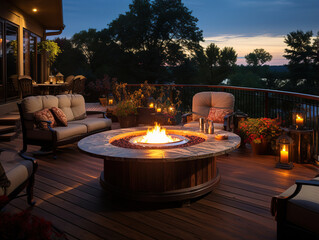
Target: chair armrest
point(97, 112)
point(49, 124)
point(185, 116)
point(34, 162)
point(280, 201)
point(228, 122)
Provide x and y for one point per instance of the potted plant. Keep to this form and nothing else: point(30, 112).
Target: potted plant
point(51, 49)
point(261, 133)
point(126, 112)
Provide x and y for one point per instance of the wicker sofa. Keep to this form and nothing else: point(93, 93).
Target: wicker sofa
point(73, 106)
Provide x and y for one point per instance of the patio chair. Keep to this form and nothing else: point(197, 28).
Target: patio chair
point(297, 211)
point(202, 104)
point(67, 88)
point(78, 85)
point(16, 172)
point(25, 86)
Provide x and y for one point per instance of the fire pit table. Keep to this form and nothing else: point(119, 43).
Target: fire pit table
point(159, 173)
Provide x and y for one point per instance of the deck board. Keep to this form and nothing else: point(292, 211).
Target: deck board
point(68, 193)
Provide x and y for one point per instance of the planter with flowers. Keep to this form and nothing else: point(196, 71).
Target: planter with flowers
point(126, 112)
point(261, 133)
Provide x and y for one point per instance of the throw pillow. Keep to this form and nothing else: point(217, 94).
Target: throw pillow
point(217, 114)
point(4, 181)
point(44, 115)
point(60, 116)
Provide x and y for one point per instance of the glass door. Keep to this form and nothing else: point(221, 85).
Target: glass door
point(11, 50)
point(2, 90)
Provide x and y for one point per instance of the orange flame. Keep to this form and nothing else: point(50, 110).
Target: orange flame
point(157, 135)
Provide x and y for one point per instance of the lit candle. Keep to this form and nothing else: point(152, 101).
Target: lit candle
point(299, 120)
point(284, 155)
point(158, 110)
point(110, 101)
point(151, 105)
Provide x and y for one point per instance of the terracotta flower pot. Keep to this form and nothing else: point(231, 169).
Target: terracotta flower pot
point(128, 121)
point(262, 148)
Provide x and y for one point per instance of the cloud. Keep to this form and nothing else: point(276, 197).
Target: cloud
point(253, 3)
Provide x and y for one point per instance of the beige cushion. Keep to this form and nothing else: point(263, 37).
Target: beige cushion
point(18, 170)
point(73, 105)
point(203, 101)
point(37, 103)
point(62, 132)
point(303, 209)
point(195, 125)
point(94, 124)
point(70, 131)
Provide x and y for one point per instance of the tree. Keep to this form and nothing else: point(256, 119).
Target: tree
point(300, 53)
point(71, 61)
point(220, 62)
point(258, 57)
point(155, 34)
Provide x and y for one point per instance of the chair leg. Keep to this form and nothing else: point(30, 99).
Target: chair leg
point(54, 152)
point(24, 149)
point(30, 190)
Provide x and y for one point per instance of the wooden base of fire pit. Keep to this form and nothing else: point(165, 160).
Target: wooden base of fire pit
point(160, 181)
point(159, 175)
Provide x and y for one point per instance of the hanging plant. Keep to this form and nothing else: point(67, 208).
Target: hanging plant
point(51, 48)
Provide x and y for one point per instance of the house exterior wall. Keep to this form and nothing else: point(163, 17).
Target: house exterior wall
point(10, 13)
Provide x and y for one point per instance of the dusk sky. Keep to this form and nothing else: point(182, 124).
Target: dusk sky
point(242, 24)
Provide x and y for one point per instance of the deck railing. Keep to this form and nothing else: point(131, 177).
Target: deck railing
point(256, 102)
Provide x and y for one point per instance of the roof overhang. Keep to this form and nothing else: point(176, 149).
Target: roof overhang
point(49, 12)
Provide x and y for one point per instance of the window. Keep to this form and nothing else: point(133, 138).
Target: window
point(31, 57)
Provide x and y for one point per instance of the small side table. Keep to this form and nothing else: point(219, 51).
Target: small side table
point(303, 145)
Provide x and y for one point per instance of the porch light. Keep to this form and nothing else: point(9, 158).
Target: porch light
point(110, 100)
point(34, 10)
point(299, 119)
point(284, 158)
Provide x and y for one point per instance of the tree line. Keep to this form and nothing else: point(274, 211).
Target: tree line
point(159, 41)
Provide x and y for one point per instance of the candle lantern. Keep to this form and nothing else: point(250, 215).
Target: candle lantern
point(59, 78)
point(110, 100)
point(299, 119)
point(151, 102)
point(52, 79)
point(284, 157)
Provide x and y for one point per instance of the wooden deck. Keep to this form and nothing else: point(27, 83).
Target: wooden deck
point(68, 193)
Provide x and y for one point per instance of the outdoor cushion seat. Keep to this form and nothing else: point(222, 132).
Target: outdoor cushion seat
point(17, 172)
point(93, 124)
point(78, 124)
point(298, 209)
point(203, 102)
point(195, 125)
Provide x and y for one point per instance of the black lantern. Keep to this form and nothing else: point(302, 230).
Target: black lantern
point(284, 158)
point(151, 102)
point(110, 100)
point(299, 119)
